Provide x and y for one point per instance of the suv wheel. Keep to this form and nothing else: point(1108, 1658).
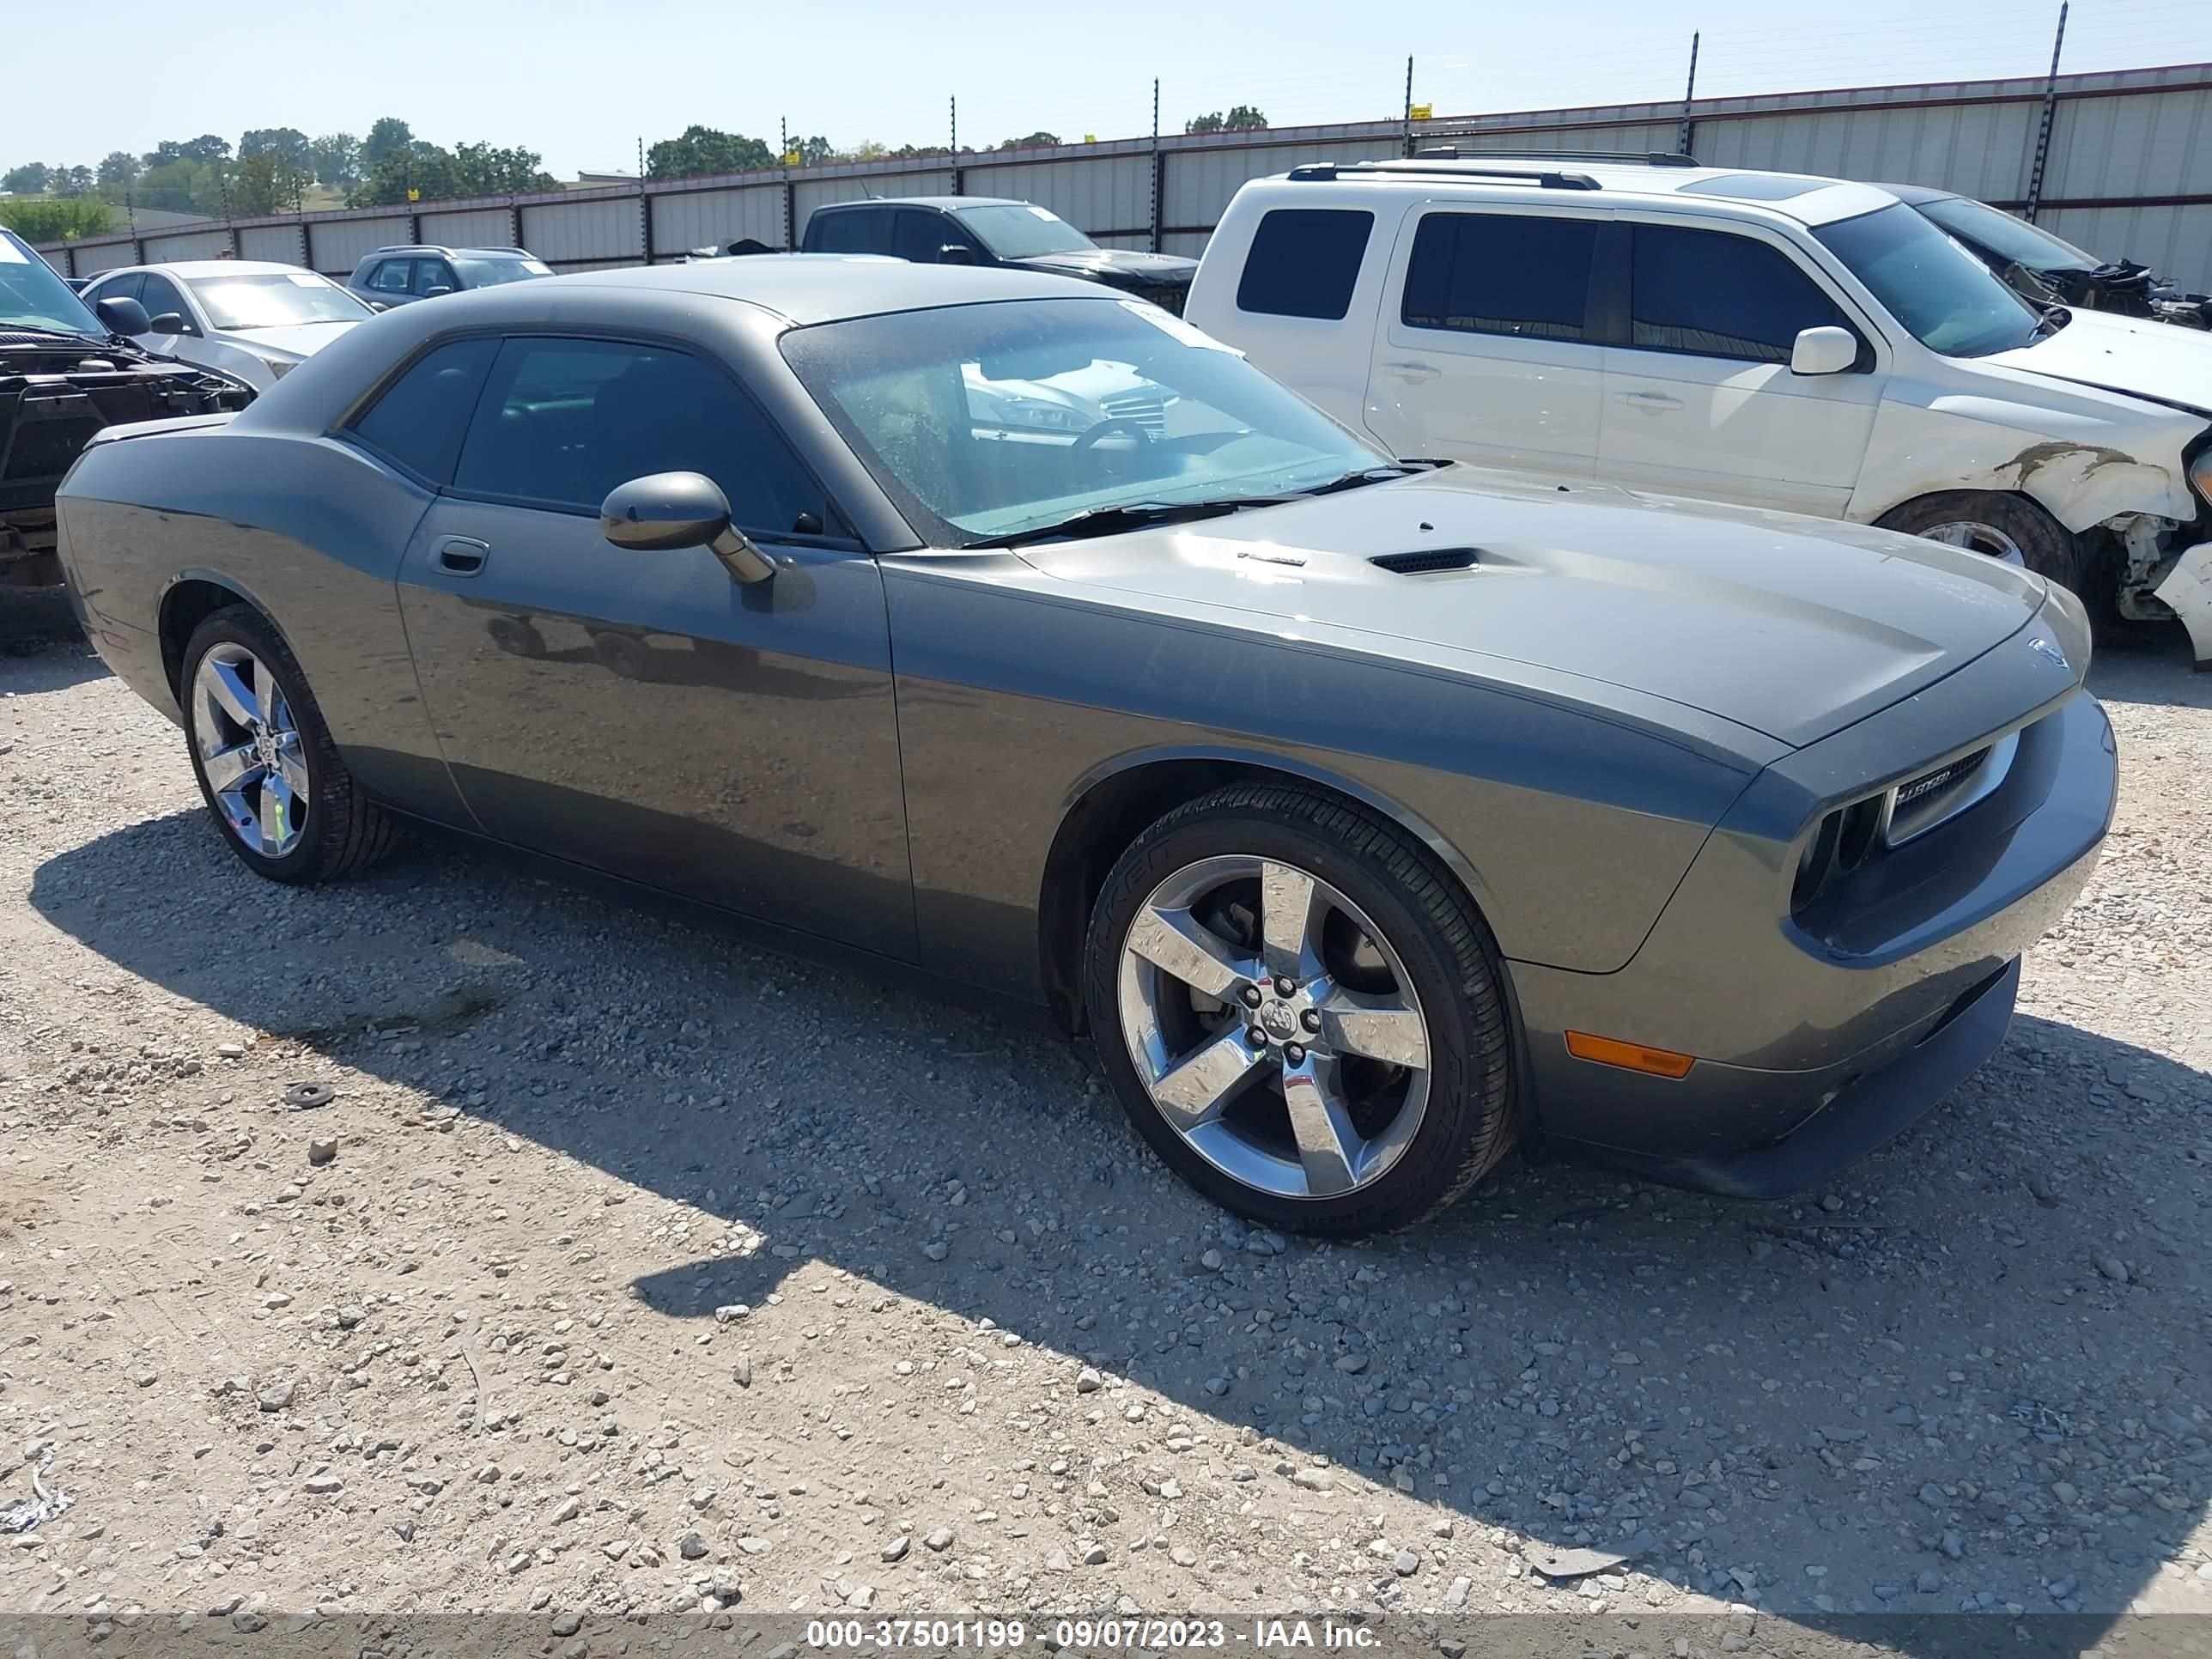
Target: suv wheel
point(2008, 527)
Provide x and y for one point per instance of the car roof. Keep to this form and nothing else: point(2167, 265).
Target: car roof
point(1806, 197)
point(804, 288)
point(1914, 195)
point(213, 268)
point(951, 203)
point(436, 247)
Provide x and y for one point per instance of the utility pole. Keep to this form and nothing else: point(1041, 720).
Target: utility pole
point(1408, 129)
point(2049, 114)
point(1689, 97)
point(955, 126)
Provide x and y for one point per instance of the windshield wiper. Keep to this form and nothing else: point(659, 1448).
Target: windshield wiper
point(2054, 317)
point(1112, 520)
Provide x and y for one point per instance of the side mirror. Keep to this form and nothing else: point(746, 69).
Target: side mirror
point(956, 254)
point(124, 315)
point(432, 294)
point(377, 304)
point(666, 510)
point(1823, 351)
point(169, 322)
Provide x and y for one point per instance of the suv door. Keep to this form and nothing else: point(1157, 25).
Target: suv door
point(1700, 400)
point(388, 280)
point(431, 275)
point(1484, 351)
point(642, 713)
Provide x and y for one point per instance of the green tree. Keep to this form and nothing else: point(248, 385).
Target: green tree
point(206, 147)
point(1034, 141)
point(70, 181)
point(703, 150)
point(813, 152)
point(118, 170)
point(266, 183)
point(435, 174)
point(288, 144)
point(489, 170)
point(182, 186)
point(1244, 118)
point(335, 159)
point(28, 179)
point(54, 219)
point(388, 136)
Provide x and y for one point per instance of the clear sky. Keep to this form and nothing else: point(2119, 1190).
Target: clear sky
point(581, 83)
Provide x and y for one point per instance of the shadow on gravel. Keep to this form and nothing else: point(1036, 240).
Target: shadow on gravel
point(1948, 1383)
point(2152, 668)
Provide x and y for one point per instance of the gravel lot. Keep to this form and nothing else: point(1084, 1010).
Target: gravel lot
point(630, 1267)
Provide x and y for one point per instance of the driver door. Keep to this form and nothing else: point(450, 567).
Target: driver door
point(642, 714)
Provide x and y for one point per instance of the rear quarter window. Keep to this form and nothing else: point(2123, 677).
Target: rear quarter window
point(1304, 262)
point(418, 421)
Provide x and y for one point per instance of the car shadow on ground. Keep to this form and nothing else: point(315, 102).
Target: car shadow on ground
point(1576, 1360)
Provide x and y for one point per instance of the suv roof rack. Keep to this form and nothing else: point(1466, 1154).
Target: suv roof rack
point(1648, 158)
point(1546, 178)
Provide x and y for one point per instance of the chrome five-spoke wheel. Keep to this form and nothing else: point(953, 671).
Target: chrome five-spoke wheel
point(1275, 1027)
point(250, 749)
point(1975, 538)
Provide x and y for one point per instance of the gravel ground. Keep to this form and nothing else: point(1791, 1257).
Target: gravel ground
point(632, 1269)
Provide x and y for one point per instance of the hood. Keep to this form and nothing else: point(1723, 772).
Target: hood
point(2137, 355)
point(293, 339)
point(1123, 267)
point(1791, 627)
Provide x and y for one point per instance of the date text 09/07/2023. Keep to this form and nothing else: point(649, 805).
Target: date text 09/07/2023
point(999, 1635)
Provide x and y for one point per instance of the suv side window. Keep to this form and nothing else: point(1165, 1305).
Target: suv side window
point(918, 234)
point(434, 273)
point(855, 230)
point(1716, 295)
point(160, 297)
point(1501, 273)
point(1304, 262)
point(114, 287)
point(562, 421)
point(417, 422)
point(390, 276)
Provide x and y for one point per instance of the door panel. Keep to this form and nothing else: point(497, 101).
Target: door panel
point(1481, 355)
point(1702, 402)
point(644, 714)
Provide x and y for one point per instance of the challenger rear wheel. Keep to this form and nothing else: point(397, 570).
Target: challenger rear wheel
point(1301, 1012)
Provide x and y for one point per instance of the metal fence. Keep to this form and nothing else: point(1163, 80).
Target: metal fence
point(2113, 164)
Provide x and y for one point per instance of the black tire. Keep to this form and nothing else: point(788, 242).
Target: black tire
point(342, 832)
point(2046, 546)
point(1437, 934)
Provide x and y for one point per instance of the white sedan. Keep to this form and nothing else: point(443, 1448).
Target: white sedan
point(247, 318)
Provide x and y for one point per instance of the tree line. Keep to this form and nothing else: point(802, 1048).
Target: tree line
point(272, 170)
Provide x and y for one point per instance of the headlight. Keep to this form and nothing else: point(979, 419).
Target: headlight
point(2200, 474)
point(1030, 411)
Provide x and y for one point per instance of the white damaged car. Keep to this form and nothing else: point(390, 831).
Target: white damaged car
point(1772, 339)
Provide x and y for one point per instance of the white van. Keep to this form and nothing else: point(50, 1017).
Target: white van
point(1770, 339)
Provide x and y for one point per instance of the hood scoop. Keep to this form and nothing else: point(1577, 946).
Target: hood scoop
point(1428, 562)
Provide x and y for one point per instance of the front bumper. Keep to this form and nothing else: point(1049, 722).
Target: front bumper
point(1813, 1051)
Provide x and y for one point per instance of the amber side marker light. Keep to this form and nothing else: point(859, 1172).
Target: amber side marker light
point(1630, 1056)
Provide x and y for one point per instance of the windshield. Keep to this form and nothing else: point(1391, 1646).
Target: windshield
point(1023, 232)
point(2012, 240)
point(486, 273)
point(987, 420)
point(33, 296)
point(1947, 299)
point(275, 299)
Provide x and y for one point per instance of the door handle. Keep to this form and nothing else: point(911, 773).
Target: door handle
point(462, 555)
point(1651, 403)
point(1413, 372)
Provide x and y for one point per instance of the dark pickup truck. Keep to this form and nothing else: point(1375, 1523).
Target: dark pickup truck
point(985, 230)
point(65, 373)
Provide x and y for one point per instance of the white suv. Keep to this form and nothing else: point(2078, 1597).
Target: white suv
point(1767, 338)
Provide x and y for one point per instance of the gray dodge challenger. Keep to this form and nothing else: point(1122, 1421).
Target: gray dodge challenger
point(1372, 817)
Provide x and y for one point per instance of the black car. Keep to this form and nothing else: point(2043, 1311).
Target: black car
point(985, 230)
point(2048, 269)
point(394, 276)
point(65, 373)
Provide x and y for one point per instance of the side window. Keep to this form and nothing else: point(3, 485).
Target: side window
point(160, 296)
point(114, 287)
point(1304, 262)
point(1499, 273)
point(855, 230)
point(917, 235)
point(433, 273)
point(562, 421)
point(419, 420)
point(1719, 296)
point(390, 276)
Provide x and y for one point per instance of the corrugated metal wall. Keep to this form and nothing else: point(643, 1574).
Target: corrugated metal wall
point(2127, 174)
point(188, 245)
point(279, 244)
